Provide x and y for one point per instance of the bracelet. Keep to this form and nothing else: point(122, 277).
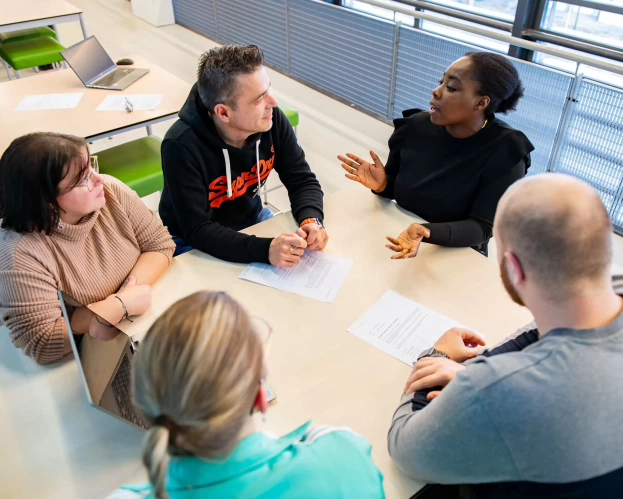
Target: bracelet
point(125, 310)
point(105, 323)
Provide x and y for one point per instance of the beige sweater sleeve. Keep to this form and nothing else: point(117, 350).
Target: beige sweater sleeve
point(31, 310)
point(151, 235)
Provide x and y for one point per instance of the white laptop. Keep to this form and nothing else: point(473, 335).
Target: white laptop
point(96, 69)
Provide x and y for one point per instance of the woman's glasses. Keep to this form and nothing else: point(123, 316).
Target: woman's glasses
point(87, 181)
point(264, 331)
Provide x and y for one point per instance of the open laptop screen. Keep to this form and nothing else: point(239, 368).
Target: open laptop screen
point(88, 59)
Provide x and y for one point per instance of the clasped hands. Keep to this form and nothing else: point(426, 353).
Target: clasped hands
point(373, 176)
point(286, 250)
point(459, 344)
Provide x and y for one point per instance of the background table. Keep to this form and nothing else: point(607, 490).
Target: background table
point(24, 14)
point(84, 120)
point(55, 445)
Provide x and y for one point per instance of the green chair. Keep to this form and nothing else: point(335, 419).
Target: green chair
point(292, 115)
point(27, 34)
point(137, 164)
point(30, 53)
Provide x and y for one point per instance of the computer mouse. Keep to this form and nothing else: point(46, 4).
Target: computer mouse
point(125, 62)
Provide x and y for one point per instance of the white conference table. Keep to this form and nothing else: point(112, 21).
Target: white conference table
point(84, 120)
point(55, 445)
point(25, 14)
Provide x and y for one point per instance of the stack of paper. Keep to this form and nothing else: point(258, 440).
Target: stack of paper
point(401, 327)
point(47, 102)
point(140, 102)
point(317, 275)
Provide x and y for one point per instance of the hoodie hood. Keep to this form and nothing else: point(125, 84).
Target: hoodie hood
point(196, 115)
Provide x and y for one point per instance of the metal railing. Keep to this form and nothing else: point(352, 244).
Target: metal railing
point(562, 52)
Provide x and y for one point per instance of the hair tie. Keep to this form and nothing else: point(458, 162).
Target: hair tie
point(166, 422)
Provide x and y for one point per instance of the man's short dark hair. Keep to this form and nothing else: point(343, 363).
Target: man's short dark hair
point(30, 171)
point(218, 68)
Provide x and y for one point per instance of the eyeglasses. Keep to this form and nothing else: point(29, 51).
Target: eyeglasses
point(88, 180)
point(264, 331)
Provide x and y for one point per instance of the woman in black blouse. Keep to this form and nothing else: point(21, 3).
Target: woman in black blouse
point(450, 166)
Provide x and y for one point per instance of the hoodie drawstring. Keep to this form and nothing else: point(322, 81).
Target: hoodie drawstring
point(228, 169)
point(257, 157)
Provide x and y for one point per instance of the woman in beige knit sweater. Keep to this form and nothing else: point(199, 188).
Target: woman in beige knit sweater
point(64, 226)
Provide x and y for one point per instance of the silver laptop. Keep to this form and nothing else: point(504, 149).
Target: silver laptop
point(105, 368)
point(95, 68)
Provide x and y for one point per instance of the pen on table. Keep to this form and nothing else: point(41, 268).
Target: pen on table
point(128, 105)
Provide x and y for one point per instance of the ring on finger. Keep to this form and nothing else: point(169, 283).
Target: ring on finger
point(293, 249)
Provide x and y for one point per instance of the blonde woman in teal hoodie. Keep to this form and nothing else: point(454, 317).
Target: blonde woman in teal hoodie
point(198, 377)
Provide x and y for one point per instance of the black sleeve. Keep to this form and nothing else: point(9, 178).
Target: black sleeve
point(189, 195)
point(392, 167)
point(478, 228)
point(470, 232)
point(419, 400)
point(304, 191)
point(514, 344)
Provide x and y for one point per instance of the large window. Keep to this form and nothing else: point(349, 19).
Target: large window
point(499, 9)
point(582, 22)
point(440, 29)
point(379, 12)
point(465, 36)
point(598, 22)
point(588, 71)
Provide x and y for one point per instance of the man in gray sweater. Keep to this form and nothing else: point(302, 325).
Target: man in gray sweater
point(541, 415)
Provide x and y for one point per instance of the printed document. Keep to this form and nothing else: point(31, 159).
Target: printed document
point(140, 102)
point(317, 275)
point(401, 327)
point(48, 102)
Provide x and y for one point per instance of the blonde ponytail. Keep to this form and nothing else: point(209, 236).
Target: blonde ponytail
point(196, 376)
point(156, 458)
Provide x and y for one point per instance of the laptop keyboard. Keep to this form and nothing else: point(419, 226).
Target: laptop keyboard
point(121, 390)
point(112, 78)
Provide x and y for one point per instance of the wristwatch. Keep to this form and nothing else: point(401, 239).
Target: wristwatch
point(432, 352)
point(312, 221)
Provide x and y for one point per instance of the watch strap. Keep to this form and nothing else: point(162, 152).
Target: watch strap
point(312, 221)
point(432, 352)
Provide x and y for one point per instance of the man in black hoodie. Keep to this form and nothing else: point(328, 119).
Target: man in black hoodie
point(229, 137)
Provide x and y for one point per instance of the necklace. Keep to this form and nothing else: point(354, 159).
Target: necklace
point(485, 124)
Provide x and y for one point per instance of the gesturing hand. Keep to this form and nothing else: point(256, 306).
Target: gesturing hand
point(408, 242)
point(370, 175)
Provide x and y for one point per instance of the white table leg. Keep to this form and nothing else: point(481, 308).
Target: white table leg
point(83, 25)
point(150, 130)
point(8, 70)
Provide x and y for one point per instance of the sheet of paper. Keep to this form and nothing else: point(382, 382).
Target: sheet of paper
point(47, 102)
point(401, 327)
point(317, 275)
point(140, 102)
